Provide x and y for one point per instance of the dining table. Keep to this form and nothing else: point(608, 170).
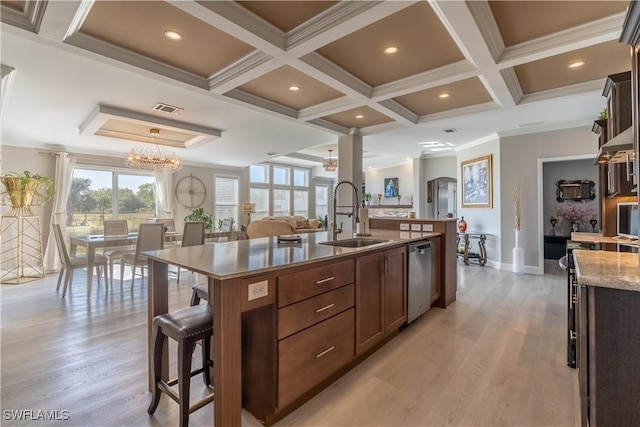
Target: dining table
point(95, 241)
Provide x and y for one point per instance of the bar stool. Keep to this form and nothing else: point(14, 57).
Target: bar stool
point(186, 326)
point(199, 291)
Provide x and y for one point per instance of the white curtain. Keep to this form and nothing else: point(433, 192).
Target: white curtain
point(62, 182)
point(164, 193)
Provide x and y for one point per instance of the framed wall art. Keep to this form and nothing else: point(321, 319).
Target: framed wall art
point(391, 187)
point(477, 191)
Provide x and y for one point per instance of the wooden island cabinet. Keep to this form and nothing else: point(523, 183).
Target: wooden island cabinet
point(608, 343)
point(292, 318)
point(381, 296)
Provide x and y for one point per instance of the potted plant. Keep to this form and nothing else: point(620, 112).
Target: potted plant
point(24, 191)
point(199, 215)
point(366, 198)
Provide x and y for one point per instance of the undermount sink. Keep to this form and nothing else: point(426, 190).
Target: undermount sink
point(354, 243)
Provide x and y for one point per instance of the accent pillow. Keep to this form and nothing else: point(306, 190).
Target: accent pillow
point(302, 223)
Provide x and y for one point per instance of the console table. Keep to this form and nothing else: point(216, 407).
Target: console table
point(464, 248)
point(555, 247)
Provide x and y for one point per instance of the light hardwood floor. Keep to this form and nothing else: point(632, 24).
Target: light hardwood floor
point(496, 357)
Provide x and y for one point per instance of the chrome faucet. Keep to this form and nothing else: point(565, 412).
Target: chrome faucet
point(354, 208)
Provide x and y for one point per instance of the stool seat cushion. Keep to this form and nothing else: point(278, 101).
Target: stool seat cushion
point(188, 322)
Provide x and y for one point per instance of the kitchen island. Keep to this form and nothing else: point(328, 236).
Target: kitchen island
point(608, 303)
point(260, 290)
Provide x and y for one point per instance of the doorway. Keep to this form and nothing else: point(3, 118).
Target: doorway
point(445, 197)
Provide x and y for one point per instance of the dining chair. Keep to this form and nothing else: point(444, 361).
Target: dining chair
point(70, 263)
point(116, 227)
point(227, 227)
point(169, 223)
point(169, 226)
point(150, 238)
point(192, 235)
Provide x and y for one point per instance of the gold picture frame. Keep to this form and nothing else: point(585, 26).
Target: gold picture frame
point(477, 182)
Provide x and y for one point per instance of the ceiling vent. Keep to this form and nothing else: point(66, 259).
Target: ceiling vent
point(450, 130)
point(166, 108)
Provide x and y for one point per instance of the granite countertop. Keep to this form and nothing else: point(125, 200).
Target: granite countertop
point(599, 238)
point(241, 258)
point(606, 269)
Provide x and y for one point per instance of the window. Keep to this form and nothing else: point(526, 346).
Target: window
point(300, 178)
point(259, 174)
point(92, 199)
point(322, 200)
point(301, 203)
point(281, 205)
point(277, 196)
point(281, 175)
point(259, 196)
point(226, 199)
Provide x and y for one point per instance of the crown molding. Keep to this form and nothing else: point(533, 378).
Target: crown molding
point(459, 112)
point(401, 113)
point(513, 84)
point(326, 108)
point(333, 127)
point(577, 89)
point(117, 53)
point(631, 27)
point(240, 72)
point(437, 77)
point(589, 34)
point(481, 12)
point(261, 103)
point(29, 20)
point(332, 70)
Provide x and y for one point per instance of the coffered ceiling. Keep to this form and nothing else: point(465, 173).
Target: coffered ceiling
point(291, 76)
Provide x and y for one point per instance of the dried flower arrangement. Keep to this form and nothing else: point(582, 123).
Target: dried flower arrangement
point(515, 195)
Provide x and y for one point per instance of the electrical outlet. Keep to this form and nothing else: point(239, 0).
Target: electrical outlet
point(404, 227)
point(416, 227)
point(258, 290)
point(427, 227)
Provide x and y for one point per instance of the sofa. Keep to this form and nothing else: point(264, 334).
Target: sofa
point(280, 225)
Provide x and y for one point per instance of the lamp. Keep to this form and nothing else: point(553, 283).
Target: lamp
point(248, 208)
point(151, 159)
point(330, 165)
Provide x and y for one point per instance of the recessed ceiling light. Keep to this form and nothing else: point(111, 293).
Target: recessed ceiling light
point(391, 50)
point(443, 95)
point(359, 116)
point(173, 35)
point(294, 88)
point(577, 64)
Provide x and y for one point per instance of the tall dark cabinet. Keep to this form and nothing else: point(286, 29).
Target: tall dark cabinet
point(608, 330)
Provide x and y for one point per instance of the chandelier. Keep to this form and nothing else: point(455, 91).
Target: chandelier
point(330, 165)
point(151, 158)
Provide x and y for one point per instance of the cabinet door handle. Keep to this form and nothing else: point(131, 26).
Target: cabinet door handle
point(322, 353)
point(328, 279)
point(326, 307)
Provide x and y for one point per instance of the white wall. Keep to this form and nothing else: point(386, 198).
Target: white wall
point(519, 164)
point(18, 160)
point(485, 220)
point(374, 182)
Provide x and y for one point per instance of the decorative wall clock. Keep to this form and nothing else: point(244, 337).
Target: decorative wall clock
point(190, 191)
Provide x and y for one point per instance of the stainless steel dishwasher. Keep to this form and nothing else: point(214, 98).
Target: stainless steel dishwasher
point(419, 286)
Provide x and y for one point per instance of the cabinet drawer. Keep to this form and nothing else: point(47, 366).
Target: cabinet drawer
point(310, 356)
point(295, 287)
point(296, 317)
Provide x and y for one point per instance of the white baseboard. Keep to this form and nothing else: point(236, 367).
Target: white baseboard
point(528, 269)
